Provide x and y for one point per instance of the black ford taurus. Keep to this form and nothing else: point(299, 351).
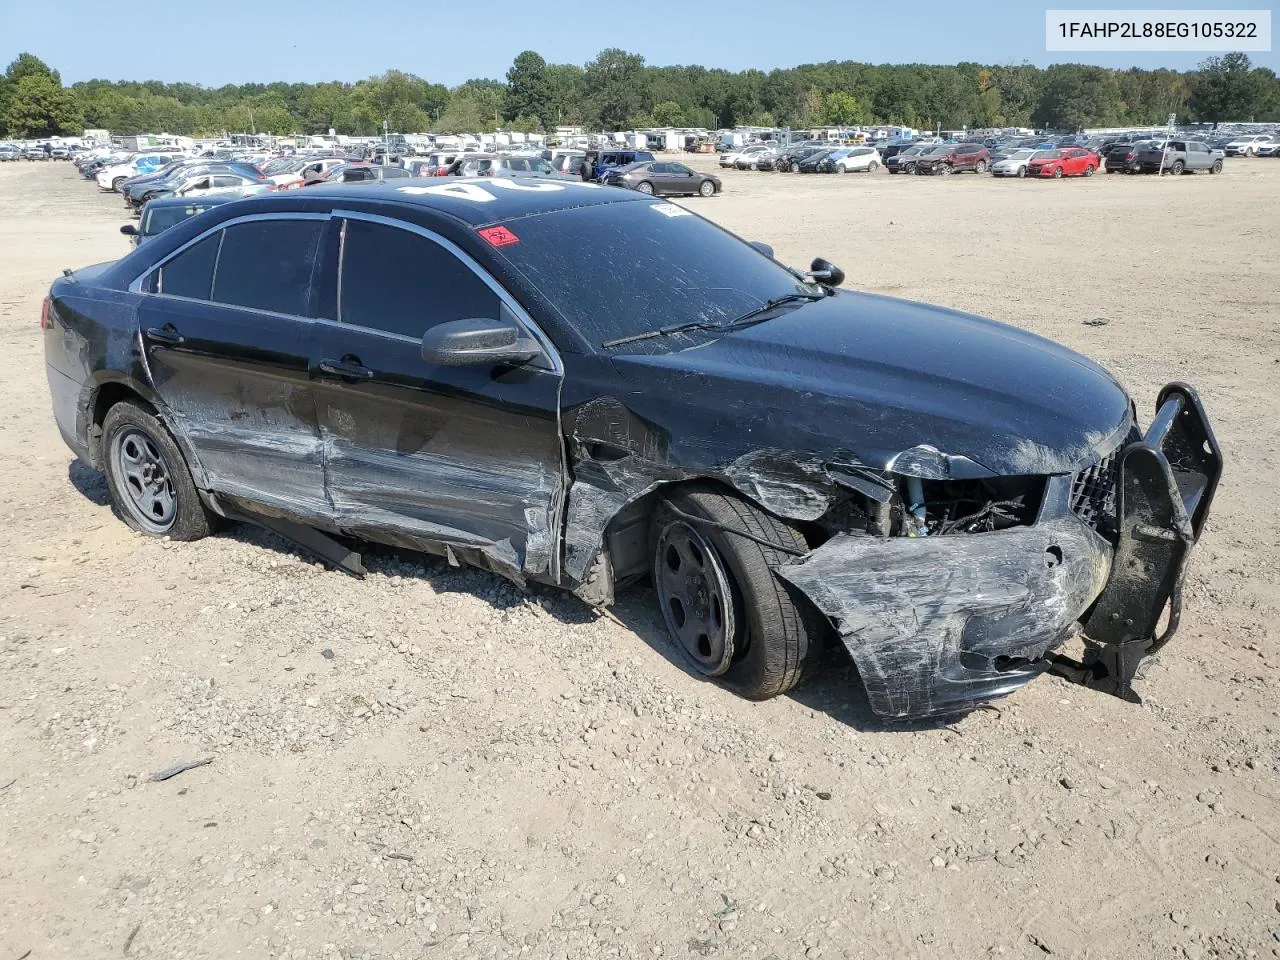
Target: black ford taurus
point(589, 387)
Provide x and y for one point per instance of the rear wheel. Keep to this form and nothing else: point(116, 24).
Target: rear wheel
point(872, 167)
point(1177, 168)
point(116, 183)
point(150, 485)
point(644, 186)
point(706, 188)
point(1088, 171)
point(727, 612)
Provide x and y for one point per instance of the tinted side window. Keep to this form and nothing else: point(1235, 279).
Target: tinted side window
point(190, 273)
point(266, 265)
point(403, 283)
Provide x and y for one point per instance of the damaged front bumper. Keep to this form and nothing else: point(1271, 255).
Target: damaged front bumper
point(938, 625)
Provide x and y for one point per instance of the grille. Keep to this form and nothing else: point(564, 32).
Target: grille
point(1093, 493)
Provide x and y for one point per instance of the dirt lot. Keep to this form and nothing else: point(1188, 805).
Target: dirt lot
point(431, 764)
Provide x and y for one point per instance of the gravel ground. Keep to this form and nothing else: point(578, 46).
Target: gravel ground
point(432, 763)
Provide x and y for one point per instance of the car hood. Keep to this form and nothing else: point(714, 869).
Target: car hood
point(868, 377)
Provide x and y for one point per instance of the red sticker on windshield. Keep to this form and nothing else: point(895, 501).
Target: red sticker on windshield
point(498, 236)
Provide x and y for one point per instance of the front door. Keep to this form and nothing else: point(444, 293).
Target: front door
point(227, 336)
point(468, 457)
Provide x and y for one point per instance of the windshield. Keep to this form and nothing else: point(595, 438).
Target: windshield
point(1020, 154)
point(613, 270)
point(938, 151)
point(1046, 155)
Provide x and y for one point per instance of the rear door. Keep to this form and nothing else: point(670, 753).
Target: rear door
point(226, 330)
point(421, 455)
point(659, 175)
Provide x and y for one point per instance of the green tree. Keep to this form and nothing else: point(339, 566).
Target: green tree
point(529, 92)
point(841, 109)
point(1075, 96)
point(29, 65)
point(39, 106)
point(616, 88)
point(669, 114)
point(1226, 88)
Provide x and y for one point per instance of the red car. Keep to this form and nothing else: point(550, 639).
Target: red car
point(1072, 162)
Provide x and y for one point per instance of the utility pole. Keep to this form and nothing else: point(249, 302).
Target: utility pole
point(1172, 118)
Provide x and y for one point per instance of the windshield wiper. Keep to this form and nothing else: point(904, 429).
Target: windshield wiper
point(663, 332)
point(743, 320)
point(773, 304)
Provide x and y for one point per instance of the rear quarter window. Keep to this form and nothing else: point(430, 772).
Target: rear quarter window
point(190, 273)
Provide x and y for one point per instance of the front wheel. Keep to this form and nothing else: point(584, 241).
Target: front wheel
point(707, 188)
point(644, 186)
point(944, 169)
point(981, 167)
point(1057, 173)
point(1022, 172)
point(908, 168)
point(1217, 167)
point(726, 611)
point(150, 485)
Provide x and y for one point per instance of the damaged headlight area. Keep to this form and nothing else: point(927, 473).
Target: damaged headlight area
point(940, 507)
point(889, 504)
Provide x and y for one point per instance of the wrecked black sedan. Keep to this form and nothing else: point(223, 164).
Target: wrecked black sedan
point(579, 386)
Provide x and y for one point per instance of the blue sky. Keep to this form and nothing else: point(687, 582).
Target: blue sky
point(237, 41)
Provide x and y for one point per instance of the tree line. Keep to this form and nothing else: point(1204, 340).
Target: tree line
point(617, 90)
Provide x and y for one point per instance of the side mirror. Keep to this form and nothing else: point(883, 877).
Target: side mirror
point(825, 272)
point(477, 340)
point(129, 230)
point(763, 248)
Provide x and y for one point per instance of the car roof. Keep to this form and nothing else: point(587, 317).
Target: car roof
point(475, 201)
point(202, 201)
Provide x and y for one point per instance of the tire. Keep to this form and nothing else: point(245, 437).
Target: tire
point(1216, 168)
point(943, 170)
point(872, 167)
point(644, 186)
point(1057, 173)
point(151, 488)
point(1177, 168)
point(768, 637)
point(1088, 171)
point(115, 184)
point(909, 168)
point(1022, 173)
point(980, 167)
point(706, 189)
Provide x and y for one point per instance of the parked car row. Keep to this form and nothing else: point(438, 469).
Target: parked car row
point(1028, 157)
point(34, 151)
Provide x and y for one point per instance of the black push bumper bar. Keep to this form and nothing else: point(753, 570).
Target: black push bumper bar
point(1165, 484)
